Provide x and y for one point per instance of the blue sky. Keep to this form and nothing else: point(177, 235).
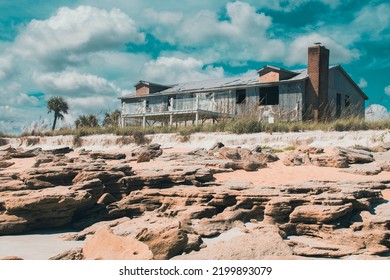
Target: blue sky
point(92, 52)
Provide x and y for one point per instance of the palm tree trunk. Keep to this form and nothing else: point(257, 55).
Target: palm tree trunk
point(55, 121)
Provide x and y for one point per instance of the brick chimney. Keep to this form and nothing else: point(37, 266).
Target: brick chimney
point(317, 106)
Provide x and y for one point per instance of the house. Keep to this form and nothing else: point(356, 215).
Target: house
point(317, 93)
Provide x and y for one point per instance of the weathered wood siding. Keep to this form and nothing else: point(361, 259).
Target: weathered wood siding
point(290, 101)
point(338, 83)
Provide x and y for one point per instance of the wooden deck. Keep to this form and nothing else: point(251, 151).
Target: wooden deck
point(169, 117)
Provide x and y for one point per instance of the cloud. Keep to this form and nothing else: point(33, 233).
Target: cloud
point(62, 39)
point(377, 112)
point(6, 67)
point(243, 36)
point(372, 21)
point(174, 70)
point(387, 90)
point(297, 53)
point(362, 83)
point(74, 84)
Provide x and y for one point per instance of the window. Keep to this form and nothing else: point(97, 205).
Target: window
point(338, 105)
point(240, 96)
point(347, 101)
point(269, 96)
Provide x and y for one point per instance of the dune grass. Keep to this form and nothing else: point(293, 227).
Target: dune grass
point(238, 126)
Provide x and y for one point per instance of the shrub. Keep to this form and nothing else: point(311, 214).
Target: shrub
point(3, 141)
point(77, 141)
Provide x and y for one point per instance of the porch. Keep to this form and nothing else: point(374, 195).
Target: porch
point(195, 110)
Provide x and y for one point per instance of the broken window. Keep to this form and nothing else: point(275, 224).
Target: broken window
point(240, 96)
point(269, 96)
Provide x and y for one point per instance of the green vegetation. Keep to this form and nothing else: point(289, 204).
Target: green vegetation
point(238, 126)
point(112, 119)
point(87, 121)
point(59, 106)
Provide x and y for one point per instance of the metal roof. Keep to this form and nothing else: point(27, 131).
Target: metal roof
point(222, 83)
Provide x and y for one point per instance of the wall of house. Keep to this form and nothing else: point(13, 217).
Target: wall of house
point(289, 107)
point(290, 101)
point(270, 77)
point(142, 90)
point(338, 83)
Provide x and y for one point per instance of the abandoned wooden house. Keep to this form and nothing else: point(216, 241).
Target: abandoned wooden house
point(317, 93)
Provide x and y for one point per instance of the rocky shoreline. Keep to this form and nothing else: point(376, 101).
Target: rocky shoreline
point(146, 202)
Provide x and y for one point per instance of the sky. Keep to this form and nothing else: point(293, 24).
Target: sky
point(92, 52)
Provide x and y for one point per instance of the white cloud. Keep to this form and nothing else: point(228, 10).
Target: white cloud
point(6, 67)
point(243, 36)
point(66, 36)
point(74, 84)
point(83, 28)
point(387, 90)
point(297, 53)
point(362, 83)
point(173, 70)
point(372, 20)
point(377, 112)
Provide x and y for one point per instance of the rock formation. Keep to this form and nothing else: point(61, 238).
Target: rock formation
point(128, 211)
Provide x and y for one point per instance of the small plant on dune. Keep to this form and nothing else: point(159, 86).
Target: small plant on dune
point(77, 141)
point(3, 141)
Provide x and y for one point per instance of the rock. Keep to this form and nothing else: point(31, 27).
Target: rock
point(216, 146)
point(61, 150)
point(12, 258)
point(25, 154)
point(229, 153)
point(6, 164)
point(251, 165)
point(52, 207)
point(106, 199)
point(310, 150)
point(330, 161)
point(385, 166)
point(295, 159)
point(319, 213)
point(366, 169)
point(264, 157)
point(154, 151)
point(108, 156)
point(165, 243)
point(73, 254)
point(144, 156)
point(259, 242)
point(105, 245)
point(355, 155)
point(198, 152)
point(386, 146)
point(195, 243)
point(6, 148)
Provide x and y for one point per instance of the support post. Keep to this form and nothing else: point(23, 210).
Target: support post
point(197, 110)
point(172, 100)
point(171, 119)
point(144, 106)
point(144, 121)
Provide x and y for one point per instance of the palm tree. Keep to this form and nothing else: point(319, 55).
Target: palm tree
point(59, 106)
point(112, 119)
point(87, 121)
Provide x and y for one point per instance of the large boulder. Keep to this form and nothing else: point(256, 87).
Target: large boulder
point(165, 243)
point(105, 245)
